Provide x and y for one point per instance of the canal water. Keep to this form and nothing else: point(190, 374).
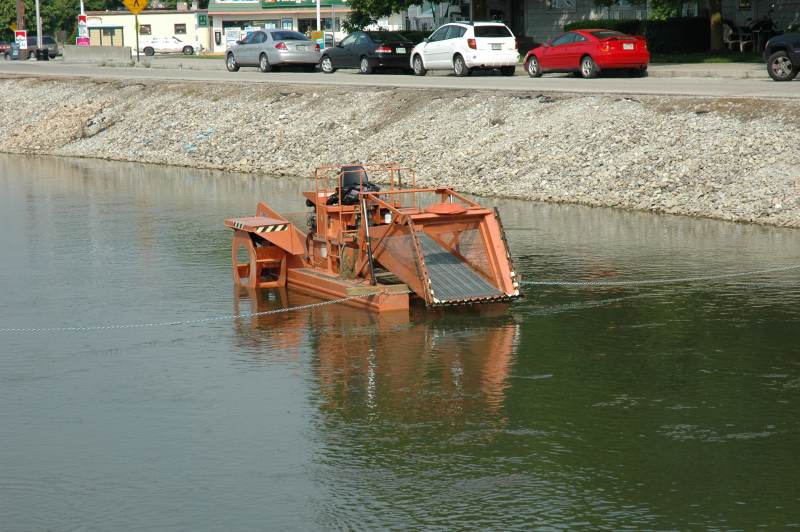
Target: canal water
point(672, 407)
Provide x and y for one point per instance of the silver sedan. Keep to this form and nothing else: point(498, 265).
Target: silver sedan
point(269, 49)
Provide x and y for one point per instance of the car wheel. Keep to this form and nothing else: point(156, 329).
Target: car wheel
point(231, 64)
point(533, 68)
point(508, 70)
point(326, 65)
point(188, 50)
point(263, 63)
point(149, 52)
point(418, 66)
point(460, 67)
point(365, 67)
point(589, 68)
point(780, 67)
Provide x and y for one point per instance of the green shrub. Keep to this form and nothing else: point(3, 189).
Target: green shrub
point(673, 35)
point(415, 36)
point(525, 43)
point(678, 35)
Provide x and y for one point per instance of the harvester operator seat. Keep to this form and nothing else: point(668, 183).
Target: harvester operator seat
point(354, 179)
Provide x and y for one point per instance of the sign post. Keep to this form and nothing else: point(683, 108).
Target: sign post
point(20, 25)
point(135, 7)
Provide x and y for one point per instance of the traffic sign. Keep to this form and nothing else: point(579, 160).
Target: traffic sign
point(13, 26)
point(135, 6)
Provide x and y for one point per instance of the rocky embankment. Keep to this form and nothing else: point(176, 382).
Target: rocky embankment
point(732, 159)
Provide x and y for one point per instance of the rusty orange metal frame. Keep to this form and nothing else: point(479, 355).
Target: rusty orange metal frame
point(334, 259)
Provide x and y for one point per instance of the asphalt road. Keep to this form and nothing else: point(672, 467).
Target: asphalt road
point(213, 70)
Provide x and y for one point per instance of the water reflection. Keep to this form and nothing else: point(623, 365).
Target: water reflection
point(408, 370)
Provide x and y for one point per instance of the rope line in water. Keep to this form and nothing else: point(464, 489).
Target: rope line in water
point(644, 282)
point(183, 322)
point(578, 283)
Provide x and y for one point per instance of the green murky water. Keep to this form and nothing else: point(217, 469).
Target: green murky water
point(654, 408)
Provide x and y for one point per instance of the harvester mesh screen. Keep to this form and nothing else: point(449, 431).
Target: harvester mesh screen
point(464, 240)
point(396, 253)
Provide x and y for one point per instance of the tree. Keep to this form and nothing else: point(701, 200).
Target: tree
point(366, 12)
point(57, 15)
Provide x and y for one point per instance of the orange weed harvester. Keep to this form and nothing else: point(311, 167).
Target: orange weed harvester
point(382, 244)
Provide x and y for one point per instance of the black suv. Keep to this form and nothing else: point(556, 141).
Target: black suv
point(782, 54)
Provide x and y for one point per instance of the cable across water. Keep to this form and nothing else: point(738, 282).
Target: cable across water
point(182, 322)
point(572, 283)
point(645, 282)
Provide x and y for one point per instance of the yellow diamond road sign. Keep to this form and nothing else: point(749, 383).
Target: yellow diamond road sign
point(135, 6)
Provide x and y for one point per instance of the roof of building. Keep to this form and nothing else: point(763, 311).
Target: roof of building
point(147, 12)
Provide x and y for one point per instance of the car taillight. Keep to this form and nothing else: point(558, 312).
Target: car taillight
point(281, 46)
point(316, 47)
point(472, 43)
point(383, 50)
point(605, 47)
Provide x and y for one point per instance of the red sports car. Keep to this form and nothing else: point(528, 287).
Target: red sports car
point(589, 52)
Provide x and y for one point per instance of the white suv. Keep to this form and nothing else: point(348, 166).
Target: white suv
point(465, 46)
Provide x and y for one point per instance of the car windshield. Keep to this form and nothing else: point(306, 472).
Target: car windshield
point(385, 36)
point(288, 36)
point(606, 34)
point(492, 31)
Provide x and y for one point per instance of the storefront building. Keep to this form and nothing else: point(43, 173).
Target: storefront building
point(118, 28)
point(232, 19)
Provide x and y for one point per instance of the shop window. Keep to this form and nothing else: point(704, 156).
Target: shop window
point(180, 29)
point(145, 29)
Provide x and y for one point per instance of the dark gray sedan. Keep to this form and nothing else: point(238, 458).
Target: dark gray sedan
point(368, 51)
point(269, 49)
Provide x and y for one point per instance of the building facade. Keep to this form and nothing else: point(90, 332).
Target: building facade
point(544, 19)
point(232, 19)
point(118, 28)
point(227, 21)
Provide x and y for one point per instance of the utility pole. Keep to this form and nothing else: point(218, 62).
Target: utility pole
point(20, 15)
point(38, 28)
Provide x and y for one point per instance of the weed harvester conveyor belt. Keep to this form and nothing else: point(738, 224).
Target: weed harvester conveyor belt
point(451, 279)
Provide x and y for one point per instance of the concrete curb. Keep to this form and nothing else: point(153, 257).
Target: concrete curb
point(657, 72)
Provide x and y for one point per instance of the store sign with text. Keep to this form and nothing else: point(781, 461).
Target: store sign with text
point(21, 38)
